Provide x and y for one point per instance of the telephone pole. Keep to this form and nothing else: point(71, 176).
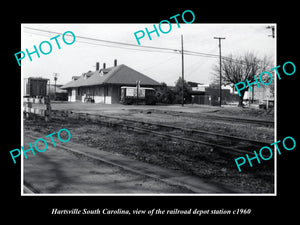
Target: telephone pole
point(220, 90)
point(273, 31)
point(55, 79)
point(182, 75)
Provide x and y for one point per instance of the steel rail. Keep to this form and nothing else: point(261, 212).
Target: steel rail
point(228, 149)
point(232, 150)
point(189, 130)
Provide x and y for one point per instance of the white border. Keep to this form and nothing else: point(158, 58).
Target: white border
point(189, 195)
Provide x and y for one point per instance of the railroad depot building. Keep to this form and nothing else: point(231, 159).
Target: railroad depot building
point(104, 85)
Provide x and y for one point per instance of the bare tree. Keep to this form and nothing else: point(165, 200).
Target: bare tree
point(241, 68)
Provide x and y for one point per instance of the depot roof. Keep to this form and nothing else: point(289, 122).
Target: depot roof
point(120, 74)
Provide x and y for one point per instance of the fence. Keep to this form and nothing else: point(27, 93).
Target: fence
point(37, 105)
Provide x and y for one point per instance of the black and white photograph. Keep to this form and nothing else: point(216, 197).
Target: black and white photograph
point(156, 118)
point(134, 112)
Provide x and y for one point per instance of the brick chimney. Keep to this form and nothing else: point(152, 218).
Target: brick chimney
point(97, 66)
point(115, 62)
point(104, 65)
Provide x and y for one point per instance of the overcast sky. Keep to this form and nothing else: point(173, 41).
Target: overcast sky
point(82, 55)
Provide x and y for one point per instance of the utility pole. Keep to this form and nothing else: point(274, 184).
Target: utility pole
point(137, 91)
point(55, 79)
point(182, 75)
point(273, 31)
point(220, 90)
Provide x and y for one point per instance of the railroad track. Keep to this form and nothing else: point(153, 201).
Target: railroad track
point(232, 144)
point(237, 119)
point(222, 118)
point(192, 185)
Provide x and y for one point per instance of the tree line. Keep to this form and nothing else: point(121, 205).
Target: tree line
point(235, 69)
point(239, 68)
point(173, 95)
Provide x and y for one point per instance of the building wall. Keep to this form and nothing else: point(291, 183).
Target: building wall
point(211, 96)
point(226, 95)
point(115, 94)
point(109, 94)
point(107, 100)
point(35, 86)
point(202, 99)
point(72, 95)
point(262, 93)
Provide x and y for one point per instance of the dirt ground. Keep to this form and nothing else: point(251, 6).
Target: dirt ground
point(56, 171)
point(186, 116)
point(205, 162)
point(226, 110)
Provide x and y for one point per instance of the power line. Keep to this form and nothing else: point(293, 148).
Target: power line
point(110, 46)
point(138, 47)
point(154, 65)
point(200, 53)
point(176, 51)
point(106, 41)
point(170, 50)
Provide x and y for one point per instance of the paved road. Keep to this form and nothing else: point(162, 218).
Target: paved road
point(58, 170)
